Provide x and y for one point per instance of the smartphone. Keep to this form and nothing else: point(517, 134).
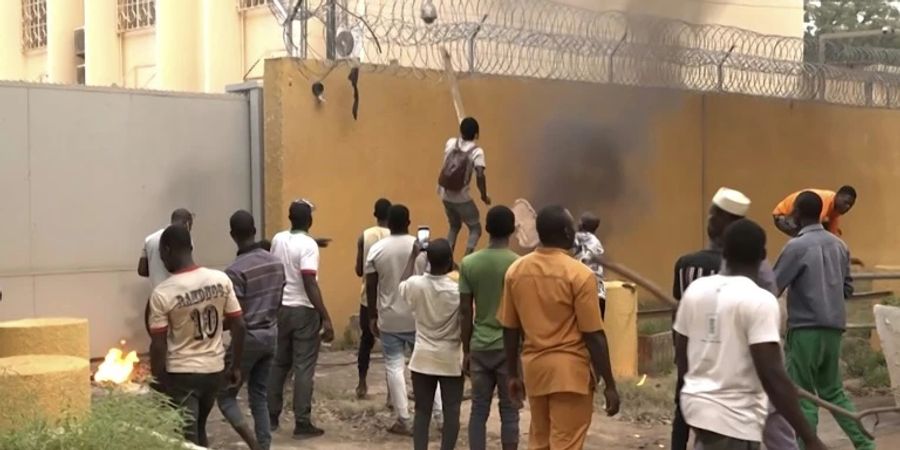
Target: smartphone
point(423, 235)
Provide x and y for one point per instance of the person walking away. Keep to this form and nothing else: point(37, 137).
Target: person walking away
point(189, 312)
point(480, 288)
point(303, 321)
point(258, 279)
point(551, 299)
point(462, 157)
point(834, 205)
point(728, 206)
point(728, 351)
point(391, 261)
point(150, 265)
point(589, 251)
point(437, 356)
point(368, 238)
point(814, 267)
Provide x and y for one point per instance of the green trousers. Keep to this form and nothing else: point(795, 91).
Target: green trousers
point(813, 356)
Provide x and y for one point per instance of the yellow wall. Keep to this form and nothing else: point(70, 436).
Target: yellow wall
point(36, 66)
point(395, 150)
point(769, 148)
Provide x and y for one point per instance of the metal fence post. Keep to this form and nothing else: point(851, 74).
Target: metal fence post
point(720, 75)
point(612, 54)
point(472, 43)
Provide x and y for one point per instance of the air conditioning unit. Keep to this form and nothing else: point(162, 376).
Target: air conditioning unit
point(80, 75)
point(348, 43)
point(79, 42)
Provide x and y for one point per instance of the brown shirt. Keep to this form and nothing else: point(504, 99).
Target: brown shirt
point(553, 299)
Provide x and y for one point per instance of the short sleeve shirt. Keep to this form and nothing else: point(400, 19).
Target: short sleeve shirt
point(155, 266)
point(300, 255)
point(190, 307)
point(552, 298)
point(388, 258)
point(435, 304)
point(476, 159)
point(829, 215)
point(722, 316)
point(481, 274)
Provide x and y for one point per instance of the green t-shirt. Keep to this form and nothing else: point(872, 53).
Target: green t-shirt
point(481, 274)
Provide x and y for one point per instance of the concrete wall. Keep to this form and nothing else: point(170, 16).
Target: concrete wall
point(86, 174)
point(395, 149)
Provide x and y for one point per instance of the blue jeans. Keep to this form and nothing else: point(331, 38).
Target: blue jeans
point(256, 365)
point(394, 346)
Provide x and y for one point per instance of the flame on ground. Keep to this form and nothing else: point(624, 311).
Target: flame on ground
point(116, 367)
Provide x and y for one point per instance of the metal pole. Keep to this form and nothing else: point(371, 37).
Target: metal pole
point(720, 83)
point(612, 54)
point(472, 44)
point(331, 31)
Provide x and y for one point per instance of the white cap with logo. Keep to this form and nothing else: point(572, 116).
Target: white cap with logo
point(732, 201)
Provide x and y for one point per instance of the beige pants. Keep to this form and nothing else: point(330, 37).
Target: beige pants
point(560, 421)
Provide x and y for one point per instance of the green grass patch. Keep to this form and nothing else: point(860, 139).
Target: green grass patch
point(653, 402)
point(117, 421)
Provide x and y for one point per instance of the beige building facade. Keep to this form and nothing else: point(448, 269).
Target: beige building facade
point(204, 45)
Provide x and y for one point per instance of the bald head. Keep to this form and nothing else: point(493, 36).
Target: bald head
point(556, 227)
point(183, 217)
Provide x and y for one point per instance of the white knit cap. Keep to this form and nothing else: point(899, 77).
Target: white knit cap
point(732, 201)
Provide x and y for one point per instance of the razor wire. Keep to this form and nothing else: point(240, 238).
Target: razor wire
point(547, 40)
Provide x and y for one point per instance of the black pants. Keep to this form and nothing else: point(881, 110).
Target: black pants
point(681, 432)
point(366, 342)
point(424, 387)
point(196, 394)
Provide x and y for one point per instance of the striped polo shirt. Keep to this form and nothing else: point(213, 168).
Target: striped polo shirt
point(258, 279)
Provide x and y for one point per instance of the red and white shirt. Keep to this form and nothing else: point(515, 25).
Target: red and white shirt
point(300, 255)
point(190, 307)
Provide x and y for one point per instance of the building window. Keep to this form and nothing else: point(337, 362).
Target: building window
point(136, 14)
point(244, 5)
point(34, 24)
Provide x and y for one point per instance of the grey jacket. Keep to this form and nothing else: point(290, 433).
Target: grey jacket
point(815, 268)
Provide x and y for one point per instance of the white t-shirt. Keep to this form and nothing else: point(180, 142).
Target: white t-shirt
point(370, 237)
point(722, 316)
point(155, 266)
point(300, 255)
point(435, 306)
point(388, 258)
point(190, 307)
point(476, 158)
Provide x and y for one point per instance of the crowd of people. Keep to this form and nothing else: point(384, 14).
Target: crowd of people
point(517, 326)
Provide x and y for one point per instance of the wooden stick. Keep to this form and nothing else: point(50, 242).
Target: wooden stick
point(454, 85)
point(645, 283)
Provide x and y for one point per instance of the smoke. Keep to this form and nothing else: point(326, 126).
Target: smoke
point(590, 160)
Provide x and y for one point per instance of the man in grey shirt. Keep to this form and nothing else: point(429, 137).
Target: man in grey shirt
point(815, 268)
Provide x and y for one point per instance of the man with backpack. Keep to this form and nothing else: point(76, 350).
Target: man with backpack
point(462, 157)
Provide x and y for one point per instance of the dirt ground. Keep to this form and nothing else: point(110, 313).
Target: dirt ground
point(351, 424)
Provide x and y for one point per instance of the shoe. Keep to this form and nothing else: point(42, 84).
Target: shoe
point(362, 391)
point(401, 427)
point(273, 422)
point(306, 431)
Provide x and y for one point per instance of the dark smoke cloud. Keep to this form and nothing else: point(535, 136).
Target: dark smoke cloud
point(587, 163)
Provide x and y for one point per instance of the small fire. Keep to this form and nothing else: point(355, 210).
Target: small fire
point(117, 366)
